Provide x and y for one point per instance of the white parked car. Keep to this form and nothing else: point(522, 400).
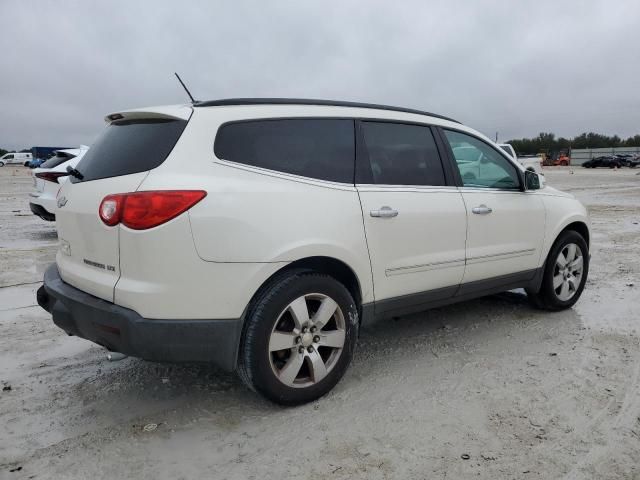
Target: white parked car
point(261, 234)
point(48, 178)
point(15, 158)
point(532, 162)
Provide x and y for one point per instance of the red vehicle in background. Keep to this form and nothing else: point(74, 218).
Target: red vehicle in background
point(562, 160)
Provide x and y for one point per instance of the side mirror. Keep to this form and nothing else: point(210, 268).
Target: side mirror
point(532, 180)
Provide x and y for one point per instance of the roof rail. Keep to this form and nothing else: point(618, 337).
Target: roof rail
point(306, 101)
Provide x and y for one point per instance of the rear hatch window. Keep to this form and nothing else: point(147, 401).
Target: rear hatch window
point(130, 146)
point(57, 160)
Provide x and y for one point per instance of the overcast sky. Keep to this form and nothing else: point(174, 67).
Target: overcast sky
point(517, 67)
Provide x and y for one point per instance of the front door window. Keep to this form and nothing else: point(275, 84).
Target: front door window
point(480, 165)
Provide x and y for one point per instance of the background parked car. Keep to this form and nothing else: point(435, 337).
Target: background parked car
point(36, 162)
point(41, 154)
point(47, 180)
point(628, 160)
point(605, 161)
point(18, 158)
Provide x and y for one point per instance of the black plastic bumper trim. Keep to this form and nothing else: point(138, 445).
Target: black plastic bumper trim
point(122, 330)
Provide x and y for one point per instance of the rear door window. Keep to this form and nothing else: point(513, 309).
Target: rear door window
point(323, 149)
point(402, 154)
point(130, 146)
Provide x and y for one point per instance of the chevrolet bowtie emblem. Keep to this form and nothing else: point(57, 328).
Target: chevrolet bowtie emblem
point(62, 201)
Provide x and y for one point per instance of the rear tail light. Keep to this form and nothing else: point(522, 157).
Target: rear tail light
point(143, 210)
point(51, 176)
point(111, 209)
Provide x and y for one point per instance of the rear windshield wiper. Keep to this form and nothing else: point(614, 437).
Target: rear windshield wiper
point(75, 173)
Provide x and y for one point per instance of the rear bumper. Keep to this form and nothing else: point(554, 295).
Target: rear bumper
point(122, 330)
point(41, 212)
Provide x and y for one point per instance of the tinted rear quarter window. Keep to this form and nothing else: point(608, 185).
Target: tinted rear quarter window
point(317, 148)
point(127, 147)
point(402, 154)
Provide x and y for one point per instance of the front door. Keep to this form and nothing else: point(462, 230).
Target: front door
point(415, 223)
point(505, 225)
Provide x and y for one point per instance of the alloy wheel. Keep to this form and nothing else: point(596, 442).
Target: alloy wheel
point(567, 272)
point(307, 340)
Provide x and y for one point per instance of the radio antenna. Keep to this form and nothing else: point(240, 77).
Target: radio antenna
point(193, 100)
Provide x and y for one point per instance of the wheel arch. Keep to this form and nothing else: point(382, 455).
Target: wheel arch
point(578, 227)
point(330, 266)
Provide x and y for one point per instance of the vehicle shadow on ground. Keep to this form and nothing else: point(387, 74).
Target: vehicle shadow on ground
point(43, 235)
point(146, 387)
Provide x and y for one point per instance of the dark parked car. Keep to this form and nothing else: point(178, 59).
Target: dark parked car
point(610, 161)
point(627, 160)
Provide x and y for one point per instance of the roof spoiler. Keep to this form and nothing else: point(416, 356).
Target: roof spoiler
point(177, 112)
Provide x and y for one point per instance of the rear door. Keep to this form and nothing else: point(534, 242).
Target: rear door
point(118, 162)
point(415, 220)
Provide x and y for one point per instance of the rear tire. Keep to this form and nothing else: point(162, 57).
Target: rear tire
point(299, 337)
point(565, 273)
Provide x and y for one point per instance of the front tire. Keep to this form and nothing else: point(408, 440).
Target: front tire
point(565, 273)
point(299, 337)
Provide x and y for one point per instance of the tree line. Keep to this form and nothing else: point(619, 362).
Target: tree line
point(548, 143)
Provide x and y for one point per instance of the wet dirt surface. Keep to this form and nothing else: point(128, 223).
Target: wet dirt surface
point(486, 389)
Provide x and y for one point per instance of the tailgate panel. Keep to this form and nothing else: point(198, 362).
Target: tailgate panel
point(89, 256)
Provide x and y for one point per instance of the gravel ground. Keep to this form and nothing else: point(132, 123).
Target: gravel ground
point(485, 389)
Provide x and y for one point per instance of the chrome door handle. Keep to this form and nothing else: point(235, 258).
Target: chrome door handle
point(481, 210)
point(384, 212)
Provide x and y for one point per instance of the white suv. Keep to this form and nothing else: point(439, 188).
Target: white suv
point(47, 179)
point(260, 234)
